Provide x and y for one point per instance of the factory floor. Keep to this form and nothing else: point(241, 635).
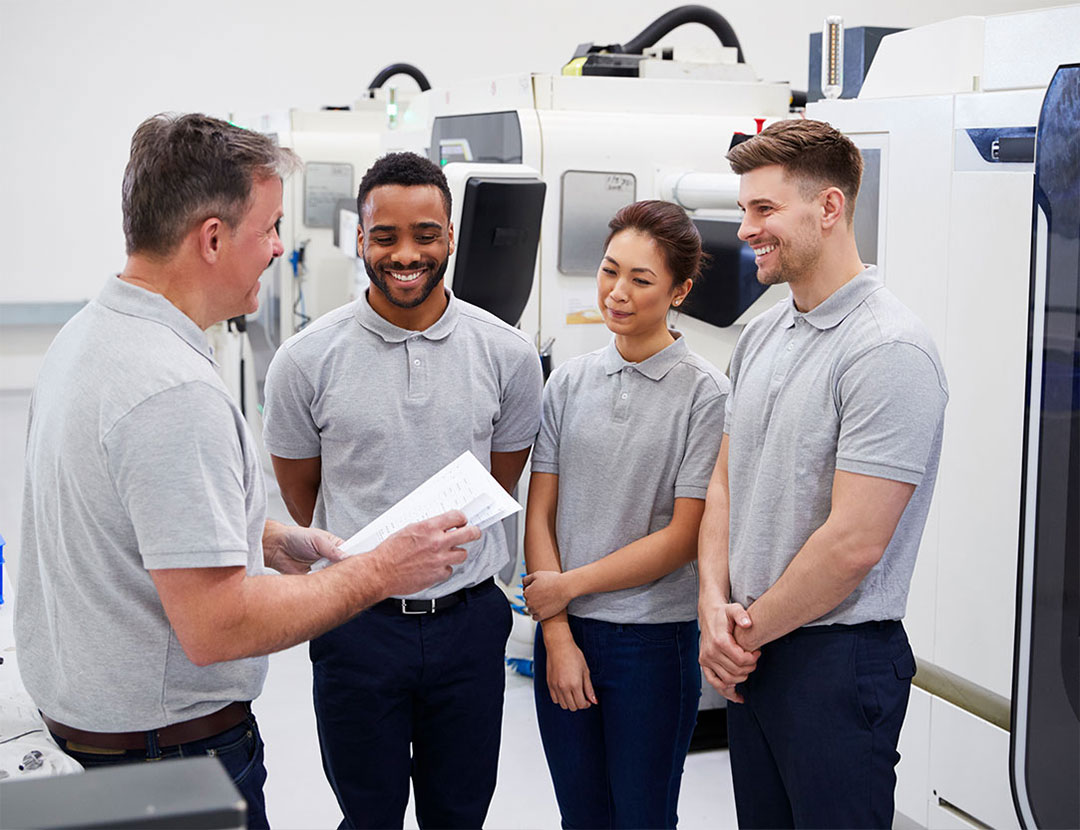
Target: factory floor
point(297, 794)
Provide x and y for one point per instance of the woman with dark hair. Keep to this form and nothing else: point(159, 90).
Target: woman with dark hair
point(628, 441)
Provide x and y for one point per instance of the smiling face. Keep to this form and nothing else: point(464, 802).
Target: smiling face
point(635, 287)
point(780, 224)
point(249, 248)
point(405, 240)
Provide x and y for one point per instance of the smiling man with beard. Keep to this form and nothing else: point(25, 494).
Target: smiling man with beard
point(818, 500)
point(361, 407)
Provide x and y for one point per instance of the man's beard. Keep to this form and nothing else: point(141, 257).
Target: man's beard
point(425, 290)
point(798, 257)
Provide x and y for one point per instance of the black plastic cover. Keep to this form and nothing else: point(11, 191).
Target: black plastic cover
point(1045, 735)
point(729, 284)
point(612, 66)
point(497, 240)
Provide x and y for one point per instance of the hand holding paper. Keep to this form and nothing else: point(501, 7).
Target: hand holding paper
point(463, 485)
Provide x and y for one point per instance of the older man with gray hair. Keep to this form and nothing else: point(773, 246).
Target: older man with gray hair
point(145, 608)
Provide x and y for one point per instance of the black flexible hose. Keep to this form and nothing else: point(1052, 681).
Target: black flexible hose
point(677, 17)
point(388, 72)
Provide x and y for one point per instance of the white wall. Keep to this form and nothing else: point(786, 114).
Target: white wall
point(77, 77)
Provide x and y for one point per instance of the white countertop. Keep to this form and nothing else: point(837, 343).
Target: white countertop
point(22, 731)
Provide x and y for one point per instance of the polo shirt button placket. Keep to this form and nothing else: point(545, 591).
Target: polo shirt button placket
point(417, 368)
point(622, 403)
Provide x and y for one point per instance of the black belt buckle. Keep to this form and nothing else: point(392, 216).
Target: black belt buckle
point(405, 606)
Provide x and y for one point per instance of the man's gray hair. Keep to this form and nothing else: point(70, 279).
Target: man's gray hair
point(185, 169)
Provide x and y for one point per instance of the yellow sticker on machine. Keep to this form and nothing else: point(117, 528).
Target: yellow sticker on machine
point(575, 66)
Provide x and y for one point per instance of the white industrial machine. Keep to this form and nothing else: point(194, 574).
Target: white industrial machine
point(959, 131)
point(600, 141)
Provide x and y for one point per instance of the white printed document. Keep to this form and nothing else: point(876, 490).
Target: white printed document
point(463, 485)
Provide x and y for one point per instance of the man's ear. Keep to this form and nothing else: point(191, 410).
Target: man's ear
point(833, 204)
point(450, 236)
point(360, 240)
point(210, 235)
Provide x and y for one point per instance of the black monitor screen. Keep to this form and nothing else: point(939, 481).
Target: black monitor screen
point(728, 284)
point(496, 244)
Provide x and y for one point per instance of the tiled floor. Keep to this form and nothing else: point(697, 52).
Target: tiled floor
point(296, 791)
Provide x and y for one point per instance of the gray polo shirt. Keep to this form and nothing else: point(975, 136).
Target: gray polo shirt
point(136, 459)
point(855, 385)
point(387, 407)
point(626, 440)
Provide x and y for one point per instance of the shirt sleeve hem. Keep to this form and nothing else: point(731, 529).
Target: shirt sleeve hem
point(512, 446)
point(545, 467)
point(690, 491)
point(284, 451)
point(195, 559)
point(879, 470)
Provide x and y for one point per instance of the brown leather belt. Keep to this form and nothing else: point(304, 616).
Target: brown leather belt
point(172, 735)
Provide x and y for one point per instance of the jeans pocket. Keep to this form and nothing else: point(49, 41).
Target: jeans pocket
point(904, 665)
point(240, 753)
point(864, 686)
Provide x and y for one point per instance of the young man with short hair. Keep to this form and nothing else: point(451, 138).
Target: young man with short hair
point(818, 500)
point(361, 407)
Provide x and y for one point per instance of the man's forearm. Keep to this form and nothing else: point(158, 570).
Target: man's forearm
point(715, 583)
point(256, 615)
point(821, 576)
point(834, 560)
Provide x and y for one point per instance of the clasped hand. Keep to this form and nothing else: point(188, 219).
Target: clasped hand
point(546, 594)
point(724, 662)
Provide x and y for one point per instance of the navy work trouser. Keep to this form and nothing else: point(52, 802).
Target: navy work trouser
point(422, 696)
point(814, 745)
point(620, 763)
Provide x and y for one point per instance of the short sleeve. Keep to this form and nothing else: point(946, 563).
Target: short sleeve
point(289, 429)
point(706, 431)
point(733, 373)
point(545, 455)
point(891, 402)
point(177, 463)
point(519, 409)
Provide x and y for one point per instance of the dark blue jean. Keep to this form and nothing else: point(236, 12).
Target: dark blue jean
point(814, 745)
point(620, 763)
point(239, 749)
point(414, 696)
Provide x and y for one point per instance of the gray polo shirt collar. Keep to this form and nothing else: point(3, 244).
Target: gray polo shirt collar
point(125, 298)
point(655, 367)
point(370, 319)
point(839, 304)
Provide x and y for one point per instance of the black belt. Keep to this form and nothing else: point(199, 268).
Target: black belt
point(398, 606)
